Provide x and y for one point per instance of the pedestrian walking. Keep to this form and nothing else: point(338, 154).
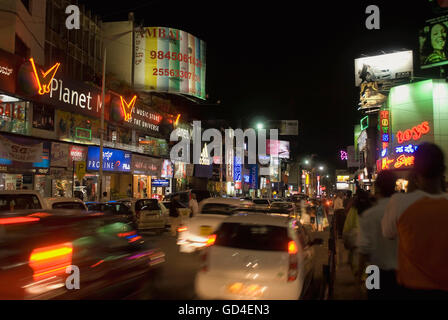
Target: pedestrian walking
point(361, 203)
point(339, 214)
point(373, 247)
point(175, 215)
point(419, 220)
point(193, 205)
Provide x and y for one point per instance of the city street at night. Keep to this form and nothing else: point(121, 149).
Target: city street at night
point(229, 159)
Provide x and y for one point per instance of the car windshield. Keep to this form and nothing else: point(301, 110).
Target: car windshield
point(252, 237)
point(12, 202)
point(218, 208)
point(148, 204)
point(68, 206)
point(258, 201)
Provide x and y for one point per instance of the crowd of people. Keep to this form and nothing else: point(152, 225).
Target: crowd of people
point(403, 234)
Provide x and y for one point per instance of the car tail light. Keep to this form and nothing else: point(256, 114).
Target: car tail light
point(211, 240)
point(293, 263)
point(182, 229)
point(50, 261)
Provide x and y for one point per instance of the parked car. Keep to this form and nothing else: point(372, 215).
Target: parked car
point(149, 214)
point(37, 246)
point(18, 200)
point(256, 256)
point(66, 204)
point(194, 233)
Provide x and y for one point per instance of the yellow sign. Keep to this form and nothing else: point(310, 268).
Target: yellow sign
point(80, 169)
point(343, 178)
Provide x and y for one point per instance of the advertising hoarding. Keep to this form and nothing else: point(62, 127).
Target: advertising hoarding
point(390, 66)
point(278, 148)
point(433, 43)
point(146, 165)
point(169, 60)
point(113, 160)
point(167, 169)
point(160, 183)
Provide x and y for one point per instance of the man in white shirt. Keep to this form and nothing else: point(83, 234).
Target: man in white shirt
point(373, 248)
point(193, 205)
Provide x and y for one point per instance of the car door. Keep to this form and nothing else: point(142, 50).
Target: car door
point(308, 250)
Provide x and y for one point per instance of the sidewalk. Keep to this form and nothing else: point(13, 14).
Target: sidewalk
point(344, 285)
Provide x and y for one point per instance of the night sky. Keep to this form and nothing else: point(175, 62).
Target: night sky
point(276, 60)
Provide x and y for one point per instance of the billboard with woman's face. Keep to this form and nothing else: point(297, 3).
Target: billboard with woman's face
point(433, 43)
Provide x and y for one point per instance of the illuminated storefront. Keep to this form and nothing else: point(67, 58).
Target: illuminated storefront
point(416, 113)
point(117, 172)
point(144, 169)
point(24, 164)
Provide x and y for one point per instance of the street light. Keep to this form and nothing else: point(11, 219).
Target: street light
point(260, 126)
point(321, 168)
point(307, 162)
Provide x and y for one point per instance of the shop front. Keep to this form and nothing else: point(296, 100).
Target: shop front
point(416, 114)
point(162, 187)
point(63, 178)
point(117, 177)
point(181, 180)
point(24, 164)
point(144, 170)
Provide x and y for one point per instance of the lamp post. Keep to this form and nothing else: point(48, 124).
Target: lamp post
point(103, 106)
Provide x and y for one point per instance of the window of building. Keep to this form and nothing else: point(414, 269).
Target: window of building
point(21, 49)
point(27, 4)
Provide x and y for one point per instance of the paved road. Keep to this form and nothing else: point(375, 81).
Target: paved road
point(176, 280)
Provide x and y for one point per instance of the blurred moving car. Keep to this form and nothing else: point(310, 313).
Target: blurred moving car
point(65, 204)
point(37, 247)
point(193, 235)
point(284, 208)
point(261, 204)
point(257, 257)
point(184, 211)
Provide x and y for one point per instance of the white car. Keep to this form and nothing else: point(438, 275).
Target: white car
point(193, 234)
point(16, 200)
point(256, 256)
point(65, 204)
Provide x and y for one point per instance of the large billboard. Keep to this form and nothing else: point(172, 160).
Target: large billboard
point(277, 148)
point(390, 66)
point(169, 60)
point(113, 160)
point(433, 43)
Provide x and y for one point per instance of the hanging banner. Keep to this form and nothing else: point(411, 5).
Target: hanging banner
point(18, 152)
point(59, 154)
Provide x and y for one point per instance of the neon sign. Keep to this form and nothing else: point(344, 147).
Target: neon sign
point(406, 149)
point(364, 123)
point(344, 155)
point(384, 120)
point(128, 107)
point(415, 133)
point(44, 80)
point(404, 161)
point(401, 161)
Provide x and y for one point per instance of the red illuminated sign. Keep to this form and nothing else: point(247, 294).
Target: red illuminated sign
point(44, 79)
point(128, 107)
point(415, 133)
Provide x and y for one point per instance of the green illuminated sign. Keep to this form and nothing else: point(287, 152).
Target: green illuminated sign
point(364, 123)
